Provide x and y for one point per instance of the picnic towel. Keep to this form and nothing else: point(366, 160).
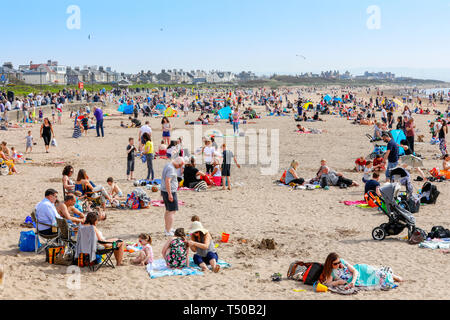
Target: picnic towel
point(352, 203)
point(160, 203)
point(159, 269)
point(436, 244)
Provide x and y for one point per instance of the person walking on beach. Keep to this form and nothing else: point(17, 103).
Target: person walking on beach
point(169, 187)
point(98, 113)
point(226, 167)
point(409, 128)
point(391, 156)
point(166, 128)
point(47, 133)
point(235, 118)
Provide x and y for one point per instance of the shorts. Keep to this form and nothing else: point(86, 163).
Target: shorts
point(211, 255)
point(226, 170)
point(170, 206)
point(390, 166)
point(166, 134)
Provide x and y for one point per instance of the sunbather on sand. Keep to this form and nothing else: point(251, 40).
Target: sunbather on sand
point(338, 272)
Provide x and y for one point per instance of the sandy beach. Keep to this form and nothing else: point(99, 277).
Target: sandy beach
point(306, 224)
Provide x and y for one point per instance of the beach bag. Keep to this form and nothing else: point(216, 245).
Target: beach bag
point(54, 144)
point(84, 260)
point(283, 177)
point(439, 232)
point(417, 236)
point(313, 273)
point(296, 270)
point(144, 158)
point(52, 252)
point(27, 241)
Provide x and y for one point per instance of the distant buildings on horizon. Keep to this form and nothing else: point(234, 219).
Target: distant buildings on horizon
point(53, 73)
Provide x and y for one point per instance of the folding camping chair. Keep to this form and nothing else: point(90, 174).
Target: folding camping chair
point(50, 240)
point(66, 234)
point(87, 243)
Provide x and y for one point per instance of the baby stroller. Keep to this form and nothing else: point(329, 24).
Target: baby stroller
point(399, 217)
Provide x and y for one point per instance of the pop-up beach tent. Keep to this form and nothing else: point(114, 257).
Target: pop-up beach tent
point(327, 98)
point(126, 109)
point(160, 107)
point(224, 113)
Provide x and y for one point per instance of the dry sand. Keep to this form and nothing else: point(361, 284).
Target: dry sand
point(306, 225)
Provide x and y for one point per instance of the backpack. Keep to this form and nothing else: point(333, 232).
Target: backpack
point(417, 236)
point(439, 232)
point(312, 274)
point(429, 193)
point(296, 270)
point(283, 177)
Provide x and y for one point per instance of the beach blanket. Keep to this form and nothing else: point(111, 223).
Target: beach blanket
point(341, 289)
point(352, 203)
point(160, 203)
point(436, 244)
point(159, 269)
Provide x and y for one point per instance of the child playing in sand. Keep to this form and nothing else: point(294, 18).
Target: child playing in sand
point(29, 138)
point(162, 148)
point(360, 164)
point(176, 251)
point(115, 192)
point(146, 255)
point(367, 171)
point(378, 163)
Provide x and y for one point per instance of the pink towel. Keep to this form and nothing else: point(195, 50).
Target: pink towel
point(160, 203)
point(352, 203)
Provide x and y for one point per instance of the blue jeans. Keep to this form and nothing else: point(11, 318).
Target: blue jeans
point(236, 127)
point(211, 255)
point(100, 126)
point(390, 166)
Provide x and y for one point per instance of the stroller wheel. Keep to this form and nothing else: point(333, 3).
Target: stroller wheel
point(378, 234)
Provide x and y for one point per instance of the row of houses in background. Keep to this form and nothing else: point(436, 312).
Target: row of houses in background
point(53, 73)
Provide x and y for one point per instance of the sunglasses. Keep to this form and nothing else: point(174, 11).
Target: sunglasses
point(336, 263)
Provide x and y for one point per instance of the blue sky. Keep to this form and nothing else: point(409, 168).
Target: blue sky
point(258, 35)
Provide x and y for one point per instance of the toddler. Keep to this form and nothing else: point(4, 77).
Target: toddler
point(146, 255)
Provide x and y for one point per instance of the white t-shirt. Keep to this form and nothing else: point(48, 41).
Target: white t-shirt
point(208, 152)
point(367, 172)
point(145, 129)
point(8, 105)
point(219, 172)
point(384, 113)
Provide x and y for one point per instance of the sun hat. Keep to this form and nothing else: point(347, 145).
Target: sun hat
point(197, 226)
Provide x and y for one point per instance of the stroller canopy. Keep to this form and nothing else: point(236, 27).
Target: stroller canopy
point(389, 193)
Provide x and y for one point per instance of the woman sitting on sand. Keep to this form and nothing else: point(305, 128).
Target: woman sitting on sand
point(337, 272)
point(83, 180)
point(9, 161)
point(191, 176)
point(203, 245)
point(292, 176)
point(68, 183)
point(92, 219)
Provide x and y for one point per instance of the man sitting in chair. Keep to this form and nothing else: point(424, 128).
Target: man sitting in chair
point(67, 207)
point(46, 212)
